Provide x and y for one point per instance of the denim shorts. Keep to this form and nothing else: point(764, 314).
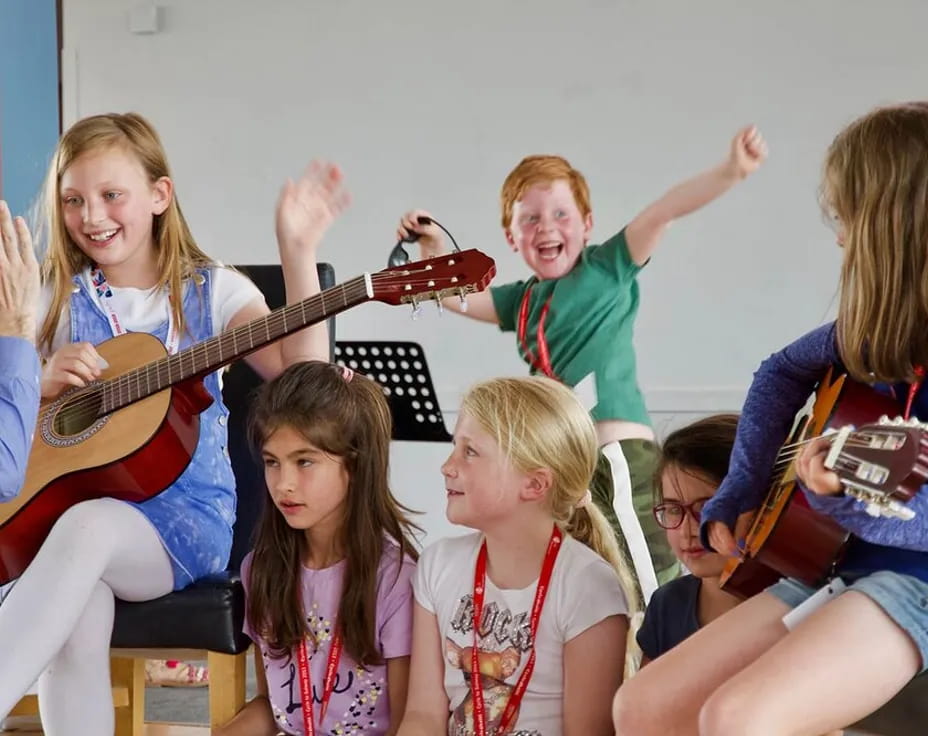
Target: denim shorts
point(903, 598)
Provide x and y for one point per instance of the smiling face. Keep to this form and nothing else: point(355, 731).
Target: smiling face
point(548, 229)
point(109, 204)
point(481, 484)
point(308, 486)
point(681, 487)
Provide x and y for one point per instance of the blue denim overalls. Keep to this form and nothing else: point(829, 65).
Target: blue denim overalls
point(194, 516)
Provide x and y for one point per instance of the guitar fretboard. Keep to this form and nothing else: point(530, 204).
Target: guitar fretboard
point(215, 352)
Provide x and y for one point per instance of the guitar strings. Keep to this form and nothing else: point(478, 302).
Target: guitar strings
point(278, 319)
point(87, 404)
point(272, 321)
point(784, 459)
point(789, 452)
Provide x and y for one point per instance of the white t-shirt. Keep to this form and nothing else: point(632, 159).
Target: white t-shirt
point(144, 310)
point(584, 590)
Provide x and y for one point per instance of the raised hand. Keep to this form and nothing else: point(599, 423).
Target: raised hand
point(308, 206)
point(431, 243)
point(748, 152)
point(19, 278)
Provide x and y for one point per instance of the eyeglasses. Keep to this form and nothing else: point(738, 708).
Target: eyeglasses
point(670, 514)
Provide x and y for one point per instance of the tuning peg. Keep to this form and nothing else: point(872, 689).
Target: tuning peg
point(889, 508)
point(463, 299)
point(878, 504)
point(416, 308)
point(441, 307)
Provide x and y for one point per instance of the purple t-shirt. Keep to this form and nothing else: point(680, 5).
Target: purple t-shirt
point(359, 702)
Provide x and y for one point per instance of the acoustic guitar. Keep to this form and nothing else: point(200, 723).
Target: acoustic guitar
point(131, 433)
point(883, 462)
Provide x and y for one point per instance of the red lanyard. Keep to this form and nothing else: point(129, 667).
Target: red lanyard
point(543, 363)
point(515, 698)
point(913, 389)
point(306, 688)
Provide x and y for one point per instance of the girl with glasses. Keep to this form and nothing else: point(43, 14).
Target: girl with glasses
point(692, 463)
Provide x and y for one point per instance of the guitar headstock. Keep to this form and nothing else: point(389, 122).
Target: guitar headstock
point(453, 274)
point(880, 463)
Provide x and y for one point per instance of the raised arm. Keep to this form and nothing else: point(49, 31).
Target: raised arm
point(748, 151)
point(19, 363)
point(305, 210)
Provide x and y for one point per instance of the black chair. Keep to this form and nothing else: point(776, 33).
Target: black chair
point(205, 619)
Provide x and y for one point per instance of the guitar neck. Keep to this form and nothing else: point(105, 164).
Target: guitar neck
point(211, 354)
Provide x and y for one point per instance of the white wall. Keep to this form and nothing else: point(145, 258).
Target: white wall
point(430, 103)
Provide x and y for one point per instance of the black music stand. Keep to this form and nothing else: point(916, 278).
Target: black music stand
point(402, 371)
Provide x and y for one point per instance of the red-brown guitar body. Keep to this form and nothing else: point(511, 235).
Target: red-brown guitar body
point(132, 454)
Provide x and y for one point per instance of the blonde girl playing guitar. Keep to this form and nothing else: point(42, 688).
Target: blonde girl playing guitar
point(121, 258)
point(752, 671)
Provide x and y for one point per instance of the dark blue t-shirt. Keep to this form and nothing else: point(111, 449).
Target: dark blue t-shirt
point(671, 616)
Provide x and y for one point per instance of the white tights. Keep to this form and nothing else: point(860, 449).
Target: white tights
point(56, 622)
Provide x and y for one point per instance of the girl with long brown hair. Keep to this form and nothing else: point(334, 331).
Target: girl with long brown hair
point(329, 593)
point(842, 654)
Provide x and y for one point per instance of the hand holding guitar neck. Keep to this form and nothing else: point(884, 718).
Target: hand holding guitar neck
point(810, 467)
point(883, 464)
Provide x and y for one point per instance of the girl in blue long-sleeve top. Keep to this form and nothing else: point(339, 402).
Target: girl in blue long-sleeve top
point(749, 671)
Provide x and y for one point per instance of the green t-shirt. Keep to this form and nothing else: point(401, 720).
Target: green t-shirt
point(589, 325)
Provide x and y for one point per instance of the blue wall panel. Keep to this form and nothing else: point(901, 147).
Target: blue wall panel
point(29, 105)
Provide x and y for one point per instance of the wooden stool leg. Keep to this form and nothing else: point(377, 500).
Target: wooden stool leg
point(226, 686)
point(129, 674)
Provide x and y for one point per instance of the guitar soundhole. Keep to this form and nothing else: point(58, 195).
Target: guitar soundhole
point(78, 414)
